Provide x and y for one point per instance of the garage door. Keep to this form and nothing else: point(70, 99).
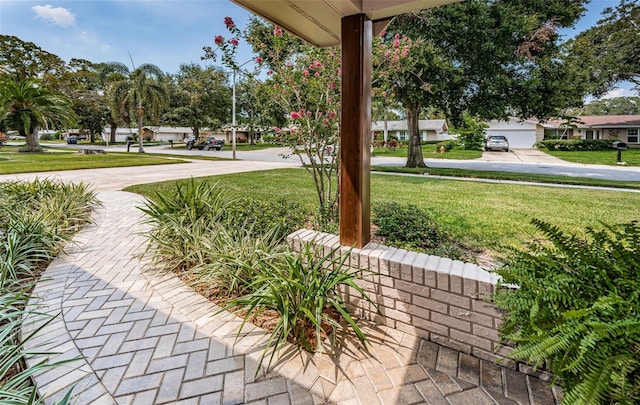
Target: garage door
point(518, 139)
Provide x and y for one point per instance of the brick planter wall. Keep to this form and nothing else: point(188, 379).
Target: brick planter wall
point(434, 298)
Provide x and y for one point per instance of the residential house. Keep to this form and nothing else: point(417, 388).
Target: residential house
point(430, 130)
point(243, 133)
point(522, 134)
point(624, 128)
point(166, 134)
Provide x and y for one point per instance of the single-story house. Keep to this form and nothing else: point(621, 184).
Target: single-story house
point(243, 132)
point(624, 128)
point(430, 130)
point(166, 134)
point(522, 134)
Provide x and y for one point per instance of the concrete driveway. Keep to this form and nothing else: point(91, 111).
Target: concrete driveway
point(520, 155)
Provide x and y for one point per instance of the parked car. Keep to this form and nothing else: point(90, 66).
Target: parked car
point(72, 139)
point(496, 142)
point(205, 143)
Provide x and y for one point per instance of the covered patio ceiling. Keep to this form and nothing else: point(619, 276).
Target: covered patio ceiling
point(318, 21)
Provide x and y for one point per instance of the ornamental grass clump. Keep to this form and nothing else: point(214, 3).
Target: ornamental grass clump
point(40, 216)
point(303, 289)
point(573, 304)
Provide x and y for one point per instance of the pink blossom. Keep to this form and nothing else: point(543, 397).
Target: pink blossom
point(304, 79)
point(294, 115)
point(309, 113)
point(277, 31)
point(270, 72)
point(305, 72)
point(234, 41)
point(325, 122)
point(332, 114)
point(383, 32)
point(397, 36)
point(339, 71)
point(317, 64)
point(332, 86)
point(259, 59)
point(277, 129)
point(387, 53)
point(219, 39)
point(317, 74)
point(228, 22)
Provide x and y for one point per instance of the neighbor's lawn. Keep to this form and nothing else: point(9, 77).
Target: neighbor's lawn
point(606, 157)
point(13, 162)
point(511, 176)
point(428, 152)
point(481, 215)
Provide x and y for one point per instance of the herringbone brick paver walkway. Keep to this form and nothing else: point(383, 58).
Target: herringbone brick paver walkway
point(144, 338)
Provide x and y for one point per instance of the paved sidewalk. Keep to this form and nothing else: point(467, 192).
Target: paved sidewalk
point(140, 337)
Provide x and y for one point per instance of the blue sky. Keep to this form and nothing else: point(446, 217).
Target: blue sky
point(166, 33)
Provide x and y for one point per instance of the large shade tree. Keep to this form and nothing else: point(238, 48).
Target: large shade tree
point(608, 52)
point(20, 60)
point(200, 98)
point(488, 58)
point(141, 94)
point(27, 106)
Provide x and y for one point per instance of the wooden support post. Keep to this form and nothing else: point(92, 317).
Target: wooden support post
point(355, 131)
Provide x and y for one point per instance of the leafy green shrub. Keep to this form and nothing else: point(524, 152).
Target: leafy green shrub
point(407, 225)
point(47, 137)
point(575, 144)
point(448, 145)
point(576, 307)
point(284, 215)
point(303, 289)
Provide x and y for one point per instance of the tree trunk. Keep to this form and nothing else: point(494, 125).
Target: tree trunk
point(32, 144)
point(112, 132)
point(386, 125)
point(414, 154)
point(196, 132)
point(140, 140)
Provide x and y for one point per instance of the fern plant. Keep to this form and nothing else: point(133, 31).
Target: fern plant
point(573, 304)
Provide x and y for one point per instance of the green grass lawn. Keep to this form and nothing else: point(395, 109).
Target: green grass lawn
point(606, 157)
point(12, 162)
point(529, 177)
point(480, 215)
point(428, 152)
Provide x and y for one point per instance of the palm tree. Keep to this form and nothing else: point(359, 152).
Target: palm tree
point(141, 93)
point(27, 106)
point(109, 72)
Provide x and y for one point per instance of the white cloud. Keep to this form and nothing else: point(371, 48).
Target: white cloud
point(59, 15)
point(620, 93)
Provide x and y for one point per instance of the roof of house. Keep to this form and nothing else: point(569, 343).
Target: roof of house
point(602, 121)
point(401, 125)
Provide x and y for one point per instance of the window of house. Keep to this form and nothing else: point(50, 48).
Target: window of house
point(402, 135)
point(632, 135)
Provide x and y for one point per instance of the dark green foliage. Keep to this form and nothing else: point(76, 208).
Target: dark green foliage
point(284, 215)
point(448, 145)
point(575, 144)
point(575, 306)
point(413, 228)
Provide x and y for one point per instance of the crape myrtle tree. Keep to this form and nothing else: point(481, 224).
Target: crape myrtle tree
point(490, 59)
point(142, 95)
point(27, 105)
point(304, 83)
point(200, 98)
point(608, 52)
